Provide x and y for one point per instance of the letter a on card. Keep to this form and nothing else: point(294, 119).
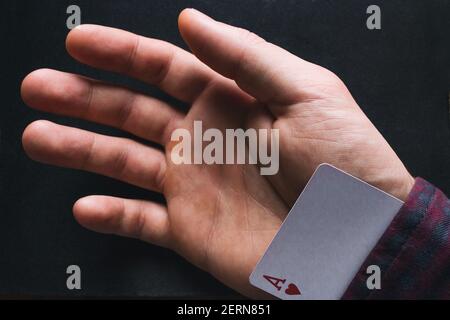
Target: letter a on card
point(275, 281)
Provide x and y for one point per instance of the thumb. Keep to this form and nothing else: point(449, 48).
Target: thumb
point(265, 71)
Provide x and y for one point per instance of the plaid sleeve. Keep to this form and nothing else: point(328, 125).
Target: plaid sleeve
point(414, 252)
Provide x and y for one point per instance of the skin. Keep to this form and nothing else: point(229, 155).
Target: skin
point(219, 217)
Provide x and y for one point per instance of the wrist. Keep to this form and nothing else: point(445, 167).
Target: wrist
point(404, 187)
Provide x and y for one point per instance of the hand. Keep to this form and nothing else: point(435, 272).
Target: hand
point(219, 217)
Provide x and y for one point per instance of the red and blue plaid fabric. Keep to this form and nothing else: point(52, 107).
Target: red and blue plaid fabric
point(414, 252)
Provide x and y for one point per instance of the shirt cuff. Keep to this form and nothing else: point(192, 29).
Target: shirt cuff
point(414, 252)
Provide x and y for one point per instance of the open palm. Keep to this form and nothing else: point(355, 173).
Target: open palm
point(220, 217)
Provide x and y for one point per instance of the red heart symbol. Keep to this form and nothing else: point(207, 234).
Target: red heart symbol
point(292, 290)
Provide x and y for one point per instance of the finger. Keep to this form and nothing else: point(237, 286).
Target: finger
point(76, 96)
point(159, 63)
point(265, 71)
point(119, 158)
point(138, 219)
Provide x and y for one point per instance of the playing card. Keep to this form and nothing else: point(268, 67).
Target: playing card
point(330, 230)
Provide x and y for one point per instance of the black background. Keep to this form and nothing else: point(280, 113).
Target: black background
point(399, 75)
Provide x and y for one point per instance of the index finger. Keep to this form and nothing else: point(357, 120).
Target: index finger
point(267, 72)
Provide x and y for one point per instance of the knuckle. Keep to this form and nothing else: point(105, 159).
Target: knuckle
point(331, 78)
point(120, 161)
point(160, 176)
point(249, 38)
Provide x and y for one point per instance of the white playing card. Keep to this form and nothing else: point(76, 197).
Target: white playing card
point(330, 230)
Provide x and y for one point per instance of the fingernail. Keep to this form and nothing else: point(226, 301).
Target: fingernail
point(86, 27)
point(199, 13)
point(79, 27)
